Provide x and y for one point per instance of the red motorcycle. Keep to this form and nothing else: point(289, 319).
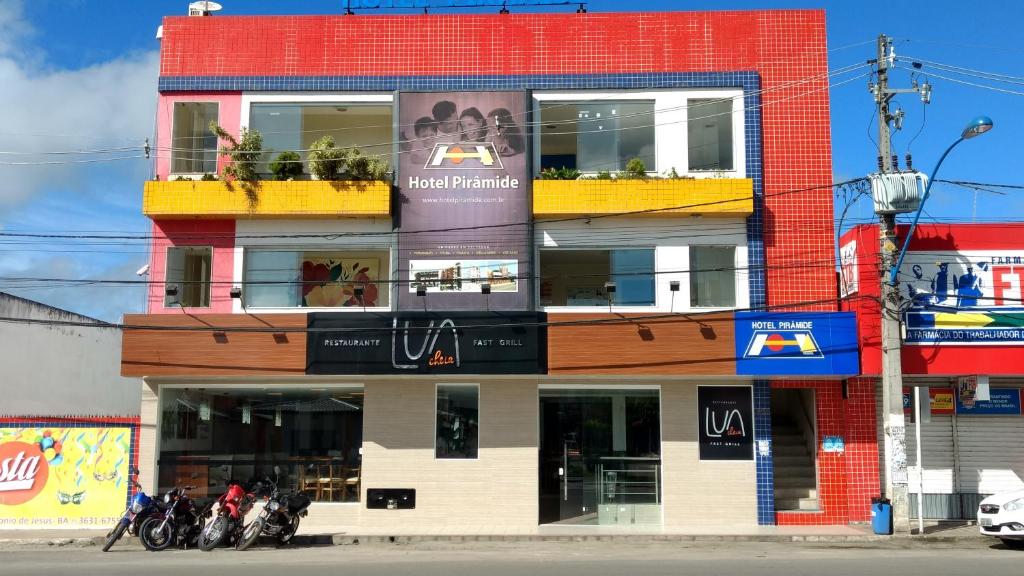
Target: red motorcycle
point(233, 505)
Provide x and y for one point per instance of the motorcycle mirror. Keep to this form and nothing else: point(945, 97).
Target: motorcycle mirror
point(277, 470)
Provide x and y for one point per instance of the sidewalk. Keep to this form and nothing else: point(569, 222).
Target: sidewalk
point(950, 533)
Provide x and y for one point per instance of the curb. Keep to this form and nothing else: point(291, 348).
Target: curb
point(354, 540)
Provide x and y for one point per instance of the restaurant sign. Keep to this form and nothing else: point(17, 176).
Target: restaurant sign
point(426, 343)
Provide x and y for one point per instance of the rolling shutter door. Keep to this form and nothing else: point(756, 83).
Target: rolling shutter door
point(940, 500)
point(991, 454)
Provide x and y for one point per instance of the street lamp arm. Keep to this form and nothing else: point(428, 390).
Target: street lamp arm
point(917, 215)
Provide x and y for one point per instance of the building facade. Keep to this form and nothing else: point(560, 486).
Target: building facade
point(962, 287)
point(595, 289)
point(69, 423)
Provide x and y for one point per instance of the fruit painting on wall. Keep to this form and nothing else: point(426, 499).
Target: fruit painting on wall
point(330, 280)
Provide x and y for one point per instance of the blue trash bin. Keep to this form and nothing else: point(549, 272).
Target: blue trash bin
point(881, 516)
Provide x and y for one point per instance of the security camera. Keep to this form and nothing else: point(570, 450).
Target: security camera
point(142, 271)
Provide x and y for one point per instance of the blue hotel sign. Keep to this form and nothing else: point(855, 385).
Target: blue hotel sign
point(796, 343)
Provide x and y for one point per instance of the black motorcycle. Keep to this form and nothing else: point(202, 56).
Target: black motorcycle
point(279, 517)
point(141, 508)
point(180, 523)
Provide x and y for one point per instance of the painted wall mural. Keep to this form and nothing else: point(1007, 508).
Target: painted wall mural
point(967, 297)
point(329, 280)
point(63, 476)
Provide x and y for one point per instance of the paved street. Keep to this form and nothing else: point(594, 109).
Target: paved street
point(536, 559)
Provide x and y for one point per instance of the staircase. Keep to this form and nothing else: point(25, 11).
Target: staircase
point(795, 479)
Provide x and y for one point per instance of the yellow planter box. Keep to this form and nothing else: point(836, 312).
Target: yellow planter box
point(271, 199)
point(654, 197)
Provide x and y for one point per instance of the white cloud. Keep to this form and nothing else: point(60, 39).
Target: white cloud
point(45, 107)
point(108, 105)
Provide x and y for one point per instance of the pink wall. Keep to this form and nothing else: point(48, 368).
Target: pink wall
point(217, 233)
point(229, 117)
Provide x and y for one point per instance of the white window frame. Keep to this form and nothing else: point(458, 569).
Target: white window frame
point(592, 309)
point(387, 285)
point(671, 263)
point(170, 164)
point(181, 287)
point(671, 125)
point(737, 277)
point(479, 423)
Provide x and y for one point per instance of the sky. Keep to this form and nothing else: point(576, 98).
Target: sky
point(81, 74)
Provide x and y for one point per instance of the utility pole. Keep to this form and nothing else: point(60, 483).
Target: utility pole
point(892, 369)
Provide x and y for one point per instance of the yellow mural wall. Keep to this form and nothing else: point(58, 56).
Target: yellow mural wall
point(63, 477)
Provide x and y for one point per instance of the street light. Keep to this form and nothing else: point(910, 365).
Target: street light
point(975, 127)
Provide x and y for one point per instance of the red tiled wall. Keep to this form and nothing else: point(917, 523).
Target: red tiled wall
point(846, 480)
point(783, 46)
point(861, 457)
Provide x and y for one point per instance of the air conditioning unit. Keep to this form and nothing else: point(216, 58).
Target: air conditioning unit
point(203, 8)
point(897, 192)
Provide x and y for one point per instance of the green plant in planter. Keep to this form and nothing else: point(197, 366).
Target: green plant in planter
point(673, 175)
point(604, 175)
point(244, 153)
point(326, 160)
point(362, 168)
point(207, 177)
point(635, 170)
point(562, 173)
point(287, 166)
point(329, 162)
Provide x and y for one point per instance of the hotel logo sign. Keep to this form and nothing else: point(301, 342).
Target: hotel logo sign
point(796, 343)
point(464, 156)
point(783, 344)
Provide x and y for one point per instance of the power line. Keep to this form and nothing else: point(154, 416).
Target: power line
point(692, 317)
point(88, 282)
point(704, 103)
point(966, 83)
point(338, 235)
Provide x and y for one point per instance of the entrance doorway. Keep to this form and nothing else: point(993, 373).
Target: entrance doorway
point(794, 449)
point(600, 456)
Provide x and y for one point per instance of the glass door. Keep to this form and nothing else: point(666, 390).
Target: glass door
point(600, 456)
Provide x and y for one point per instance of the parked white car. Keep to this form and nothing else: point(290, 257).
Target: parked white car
point(1002, 516)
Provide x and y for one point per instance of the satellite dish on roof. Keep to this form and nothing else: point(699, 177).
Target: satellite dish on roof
point(203, 8)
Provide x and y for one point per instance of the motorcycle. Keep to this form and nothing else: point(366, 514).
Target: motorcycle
point(227, 526)
point(181, 521)
point(279, 518)
point(141, 508)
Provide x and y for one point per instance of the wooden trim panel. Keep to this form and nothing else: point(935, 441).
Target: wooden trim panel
point(700, 344)
point(166, 352)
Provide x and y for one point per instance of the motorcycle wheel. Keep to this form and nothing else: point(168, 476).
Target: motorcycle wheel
point(115, 535)
point(214, 533)
point(250, 534)
point(152, 537)
point(286, 533)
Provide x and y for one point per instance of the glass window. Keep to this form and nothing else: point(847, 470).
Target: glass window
point(577, 277)
point(210, 437)
point(194, 147)
point(597, 136)
point(294, 127)
point(316, 278)
point(709, 134)
point(458, 408)
point(712, 276)
point(188, 271)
